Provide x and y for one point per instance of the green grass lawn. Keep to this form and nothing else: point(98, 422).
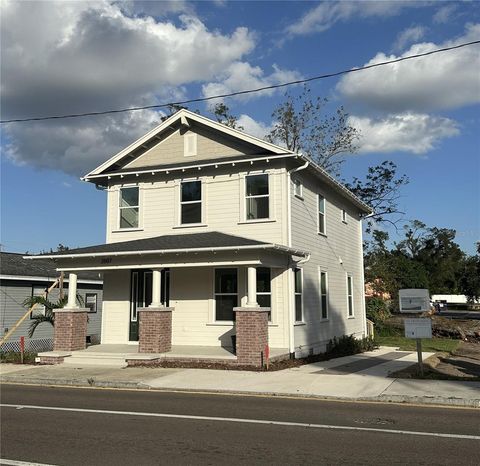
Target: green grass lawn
point(431, 345)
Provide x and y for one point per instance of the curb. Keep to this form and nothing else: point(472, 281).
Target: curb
point(400, 399)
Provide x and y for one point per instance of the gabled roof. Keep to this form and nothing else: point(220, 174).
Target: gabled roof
point(183, 116)
point(192, 242)
point(15, 266)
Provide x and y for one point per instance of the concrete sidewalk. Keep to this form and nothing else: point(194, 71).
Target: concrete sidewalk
point(359, 377)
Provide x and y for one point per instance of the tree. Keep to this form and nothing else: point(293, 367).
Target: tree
point(380, 189)
point(302, 126)
point(470, 278)
point(49, 316)
point(223, 115)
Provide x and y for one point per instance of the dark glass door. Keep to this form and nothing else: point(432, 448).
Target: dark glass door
point(141, 295)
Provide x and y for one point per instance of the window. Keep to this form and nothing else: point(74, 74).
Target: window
point(190, 145)
point(298, 274)
point(38, 310)
point(257, 197)
point(350, 295)
point(190, 202)
point(264, 289)
point(297, 188)
point(344, 216)
point(321, 215)
point(129, 207)
point(226, 294)
point(91, 302)
point(324, 294)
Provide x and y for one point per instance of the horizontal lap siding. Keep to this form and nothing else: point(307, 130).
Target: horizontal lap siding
point(343, 242)
point(116, 307)
point(192, 296)
point(223, 201)
point(13, 295)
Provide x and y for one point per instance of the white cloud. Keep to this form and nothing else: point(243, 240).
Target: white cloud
point(445, 80)
point(326, 14)
point(254, 127)
point(240, 76)
point(444, 13)
point(409, 132)
point(72, 57)
point(408, 36)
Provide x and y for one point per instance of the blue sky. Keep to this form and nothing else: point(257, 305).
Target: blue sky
point(63, 57)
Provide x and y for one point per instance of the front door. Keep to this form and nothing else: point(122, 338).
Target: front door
point(141, 296)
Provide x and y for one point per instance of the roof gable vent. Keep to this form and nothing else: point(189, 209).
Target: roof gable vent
point(190, 144)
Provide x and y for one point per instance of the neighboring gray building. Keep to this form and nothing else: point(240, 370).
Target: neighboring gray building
point(21, 279)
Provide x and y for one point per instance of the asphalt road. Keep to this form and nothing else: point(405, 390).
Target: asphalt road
point(71, 426)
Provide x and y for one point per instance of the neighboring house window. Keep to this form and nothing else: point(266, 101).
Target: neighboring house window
point(38, 309)
point(324, 294)
point(190, 145)
point(191, 202)
point(344, 216)
point(264, 288)
point(91, 302)
point(350, 295)
point(321, 215)
point(226, 294)
point(129, 207)
point(257, 196)
point(298, 188)
point(298, 274)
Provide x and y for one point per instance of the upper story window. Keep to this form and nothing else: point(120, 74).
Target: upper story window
point(190, 202)
point(129, 207)
point(297, 188)
point(257, 197)
point(344, 216)
point(322, 227)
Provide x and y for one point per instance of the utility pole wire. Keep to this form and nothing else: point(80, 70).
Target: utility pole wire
point(248, 91)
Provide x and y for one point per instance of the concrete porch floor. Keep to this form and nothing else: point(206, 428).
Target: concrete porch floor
point(116, 355)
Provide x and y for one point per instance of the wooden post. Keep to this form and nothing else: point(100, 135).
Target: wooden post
point(60, 286)
point(22, 349)
point(419, 354)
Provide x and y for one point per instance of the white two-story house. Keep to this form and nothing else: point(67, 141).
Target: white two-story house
point(205, 223)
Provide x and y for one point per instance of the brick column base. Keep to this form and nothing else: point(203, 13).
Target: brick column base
point(70, 329)
point(251, 324)
point(155, 329)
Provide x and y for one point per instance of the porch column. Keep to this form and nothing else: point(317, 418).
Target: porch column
point(72, 291)
point(155, 329)
point(70, 325)
point(252, 287)
point(156, 288)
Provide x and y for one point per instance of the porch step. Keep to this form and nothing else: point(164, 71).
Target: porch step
point(96, 359)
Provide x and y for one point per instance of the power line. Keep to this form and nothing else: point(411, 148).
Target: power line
point(248, 91)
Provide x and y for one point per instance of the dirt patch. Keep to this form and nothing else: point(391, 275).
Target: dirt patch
point(463, 364)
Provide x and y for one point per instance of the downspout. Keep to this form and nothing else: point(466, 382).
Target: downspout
point(291, 316)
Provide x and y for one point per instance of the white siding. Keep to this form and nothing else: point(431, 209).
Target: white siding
point(338, 253)
point(116, 307)
point(223, 201)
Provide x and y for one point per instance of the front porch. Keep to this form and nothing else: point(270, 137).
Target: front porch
point(191, 304)
point(128, 355)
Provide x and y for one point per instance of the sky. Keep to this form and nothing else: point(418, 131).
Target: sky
point(81, 56)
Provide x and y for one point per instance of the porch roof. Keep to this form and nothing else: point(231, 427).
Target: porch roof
point(192, 242)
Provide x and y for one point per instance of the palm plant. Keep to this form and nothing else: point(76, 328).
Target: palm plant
point(49, 306)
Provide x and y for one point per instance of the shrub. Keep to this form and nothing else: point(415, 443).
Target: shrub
point(14, 357)
point(347, 345)
point(377, 310)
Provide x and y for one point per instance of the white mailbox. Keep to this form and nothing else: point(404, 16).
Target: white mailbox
point(418, 328)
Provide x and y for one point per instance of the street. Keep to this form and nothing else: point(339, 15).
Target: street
point(72, 426)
